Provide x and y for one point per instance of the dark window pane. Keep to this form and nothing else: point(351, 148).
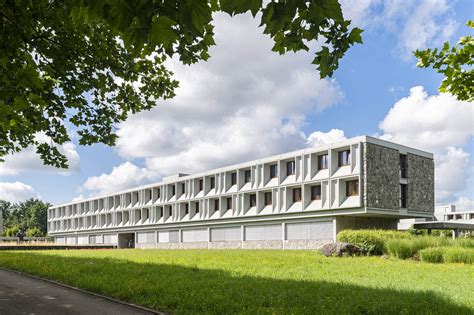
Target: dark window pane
point(323, 162)
point(403, 196)
point(290, 168)
point(403, 166)
point(247, 176)
point(229, 203)
point(173, 190)
point(233, 179)
point(200, 184)
point(197, 208)
point(253, 200)
point(183, 188)
point(344, 157)
point(273, 170)
point(352, 188)
point(186, 209)
point(268, 198)
point(296, 194)
point(316, 192)
point(216, 204)
point(213, 182)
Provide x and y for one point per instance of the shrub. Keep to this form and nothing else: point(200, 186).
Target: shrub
point(432, 255)
point(407, 248)
point(372, 242)
point(464, 242)
point(459, 255)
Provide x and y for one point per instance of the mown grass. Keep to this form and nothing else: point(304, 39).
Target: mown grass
point(253, 282)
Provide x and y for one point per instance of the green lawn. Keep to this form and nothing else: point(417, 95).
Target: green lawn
point(223, 282)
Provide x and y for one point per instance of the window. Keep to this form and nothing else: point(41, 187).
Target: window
point(253, 200)
point(213, 182)
point(196, 209)
point(268, 198)
point(403, 196)
point(247, 176)
point(200, 184)
point(273, 170)
point(403, 166)
point(450, 216)
point(186, 209)
point(296, 194)
point(458, 216)
point(173, 190)
point(158, 193)
point(316, 192)
point(229, 203)
point(352, 188)
point(344, 157)
point(233, 179)
point(323, 162)
point(290, 168)
point(183, 188)
point(216, 204)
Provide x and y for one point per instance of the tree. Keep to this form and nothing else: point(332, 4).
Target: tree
point(28, 215)
point(88, 64)
point(455, 63)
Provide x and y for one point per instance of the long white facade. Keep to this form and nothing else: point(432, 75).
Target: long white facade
point(293, 200)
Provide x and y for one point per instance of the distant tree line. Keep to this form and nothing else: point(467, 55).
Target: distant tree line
point(29, 216)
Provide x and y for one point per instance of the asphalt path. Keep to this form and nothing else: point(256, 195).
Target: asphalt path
point(20, 294)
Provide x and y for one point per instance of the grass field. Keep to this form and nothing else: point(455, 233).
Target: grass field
point(282, 282)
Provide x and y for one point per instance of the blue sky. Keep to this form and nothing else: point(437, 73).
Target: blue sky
point(248, 102)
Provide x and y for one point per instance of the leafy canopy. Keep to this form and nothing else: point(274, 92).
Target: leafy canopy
point(30, 216)
point(90, 63)
point(455, 63)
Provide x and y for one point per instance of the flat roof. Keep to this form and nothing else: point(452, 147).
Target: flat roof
point(435, 225)
point(402, 148)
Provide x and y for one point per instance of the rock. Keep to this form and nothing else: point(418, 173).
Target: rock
point(340, 249)
point(385, 256)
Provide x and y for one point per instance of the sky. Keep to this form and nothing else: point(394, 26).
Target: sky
point(248, 102)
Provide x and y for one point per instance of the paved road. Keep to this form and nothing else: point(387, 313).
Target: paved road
point(24, 295)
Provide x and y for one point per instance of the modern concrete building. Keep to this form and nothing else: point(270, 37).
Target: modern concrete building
point(295, 200)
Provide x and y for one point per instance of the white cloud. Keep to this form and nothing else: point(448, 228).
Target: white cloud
point(464, 204)
point(440, 124)
point(126, 175)
point(78, 198)
point(17, 191)
point(318, 138)
point(27, 160)
point(245, 102)
point(429, 122)
point(415, 24)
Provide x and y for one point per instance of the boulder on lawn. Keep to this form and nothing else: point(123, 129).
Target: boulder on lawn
point(340, 249)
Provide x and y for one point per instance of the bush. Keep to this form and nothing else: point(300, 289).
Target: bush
point(464, 242)
point(372, 242)
point(459, 255)
point(34, 232)
point(448, 254)
point(432, 255)
point(407, 248)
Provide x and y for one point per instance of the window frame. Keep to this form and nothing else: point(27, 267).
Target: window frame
point(295, 194)
point(268, 202)
point(323, 162)
point(314, 195)
point(273, 170)
point(348, 184)
point(252, 200)
point(249, 172)
point(344, 154)
point(290, 168)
